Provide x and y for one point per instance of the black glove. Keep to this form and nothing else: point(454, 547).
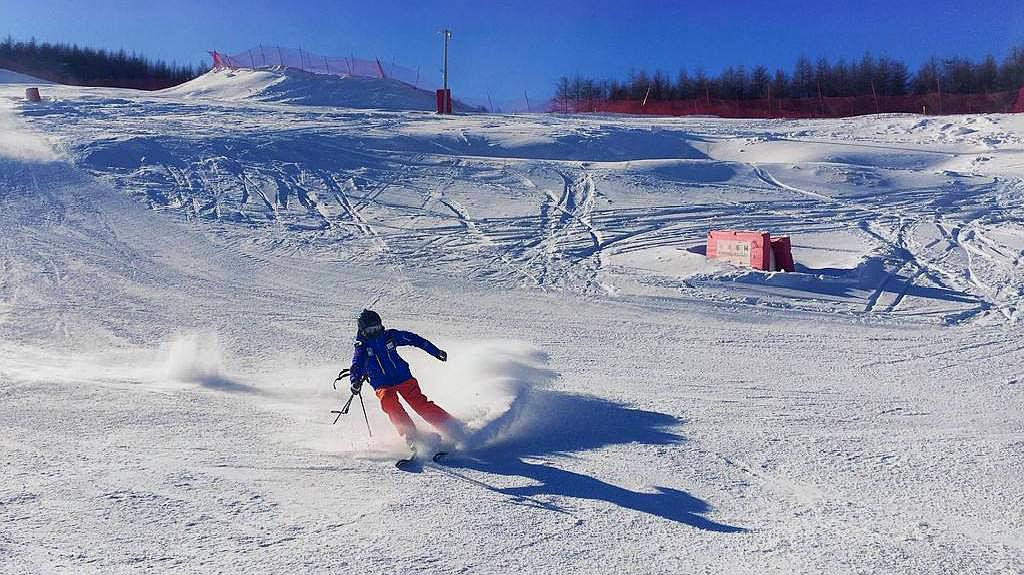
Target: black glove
point(356, 387)
point(442, 355)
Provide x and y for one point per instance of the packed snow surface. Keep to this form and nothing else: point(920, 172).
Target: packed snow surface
point(180, 274)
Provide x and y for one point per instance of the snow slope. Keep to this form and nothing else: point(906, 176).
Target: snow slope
point(293, 86)
point(179, 279)
point(927, 228)
point(11, 77)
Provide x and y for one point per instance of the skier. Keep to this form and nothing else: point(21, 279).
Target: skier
point(376, 358)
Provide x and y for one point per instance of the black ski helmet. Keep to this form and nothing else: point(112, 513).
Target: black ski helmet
point(369, 319)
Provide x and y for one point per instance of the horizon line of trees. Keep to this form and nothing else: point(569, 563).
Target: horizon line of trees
point(71, 64)
point(869, 76)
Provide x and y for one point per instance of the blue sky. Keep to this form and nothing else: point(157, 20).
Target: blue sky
point(504, 48)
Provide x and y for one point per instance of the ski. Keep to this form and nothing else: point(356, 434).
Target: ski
point(415, 463)
point(408, 464)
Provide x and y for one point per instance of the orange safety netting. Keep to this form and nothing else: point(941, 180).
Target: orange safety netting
point(276, 56)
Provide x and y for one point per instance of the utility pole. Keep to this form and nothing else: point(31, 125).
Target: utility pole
point(447, 36)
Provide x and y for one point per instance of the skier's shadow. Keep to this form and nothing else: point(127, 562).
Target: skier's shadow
point(552, 423)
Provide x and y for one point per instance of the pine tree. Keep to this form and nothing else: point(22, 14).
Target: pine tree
point(562, 96)
point(897, 79)
point(780, 84)
point(69, 63)
point(987, 75)
point(759, 82)
point(883, 76)
point(660, 86)
point(803, 78)
point(703, 84)
point(927, 77)
point(1011, 73)
point(684, 85)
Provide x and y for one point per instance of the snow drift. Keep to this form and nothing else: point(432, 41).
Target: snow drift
point(293, 86)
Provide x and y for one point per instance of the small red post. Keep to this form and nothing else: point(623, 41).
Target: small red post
point(444, 101)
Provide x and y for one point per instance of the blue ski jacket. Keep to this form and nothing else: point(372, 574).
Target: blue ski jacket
point(377, 358)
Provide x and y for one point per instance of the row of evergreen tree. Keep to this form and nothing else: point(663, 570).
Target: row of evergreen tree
point(71, 64)
point(881, 76)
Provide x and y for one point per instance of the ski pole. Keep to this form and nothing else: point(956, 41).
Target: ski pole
point(348, 404)
point(344, 410)
point(364, 415)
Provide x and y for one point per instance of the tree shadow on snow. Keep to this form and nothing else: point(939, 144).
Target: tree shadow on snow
point(551, 423)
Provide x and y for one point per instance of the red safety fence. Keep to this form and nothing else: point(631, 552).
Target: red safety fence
point(262, 57)
point(825, 107)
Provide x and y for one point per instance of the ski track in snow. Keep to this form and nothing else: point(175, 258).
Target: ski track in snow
point(178, 278)
point(543, 223)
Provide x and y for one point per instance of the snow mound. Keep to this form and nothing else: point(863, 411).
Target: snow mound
point(292, 86)
point(10, 77)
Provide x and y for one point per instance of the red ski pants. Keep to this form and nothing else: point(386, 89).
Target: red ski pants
point(410, 392)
